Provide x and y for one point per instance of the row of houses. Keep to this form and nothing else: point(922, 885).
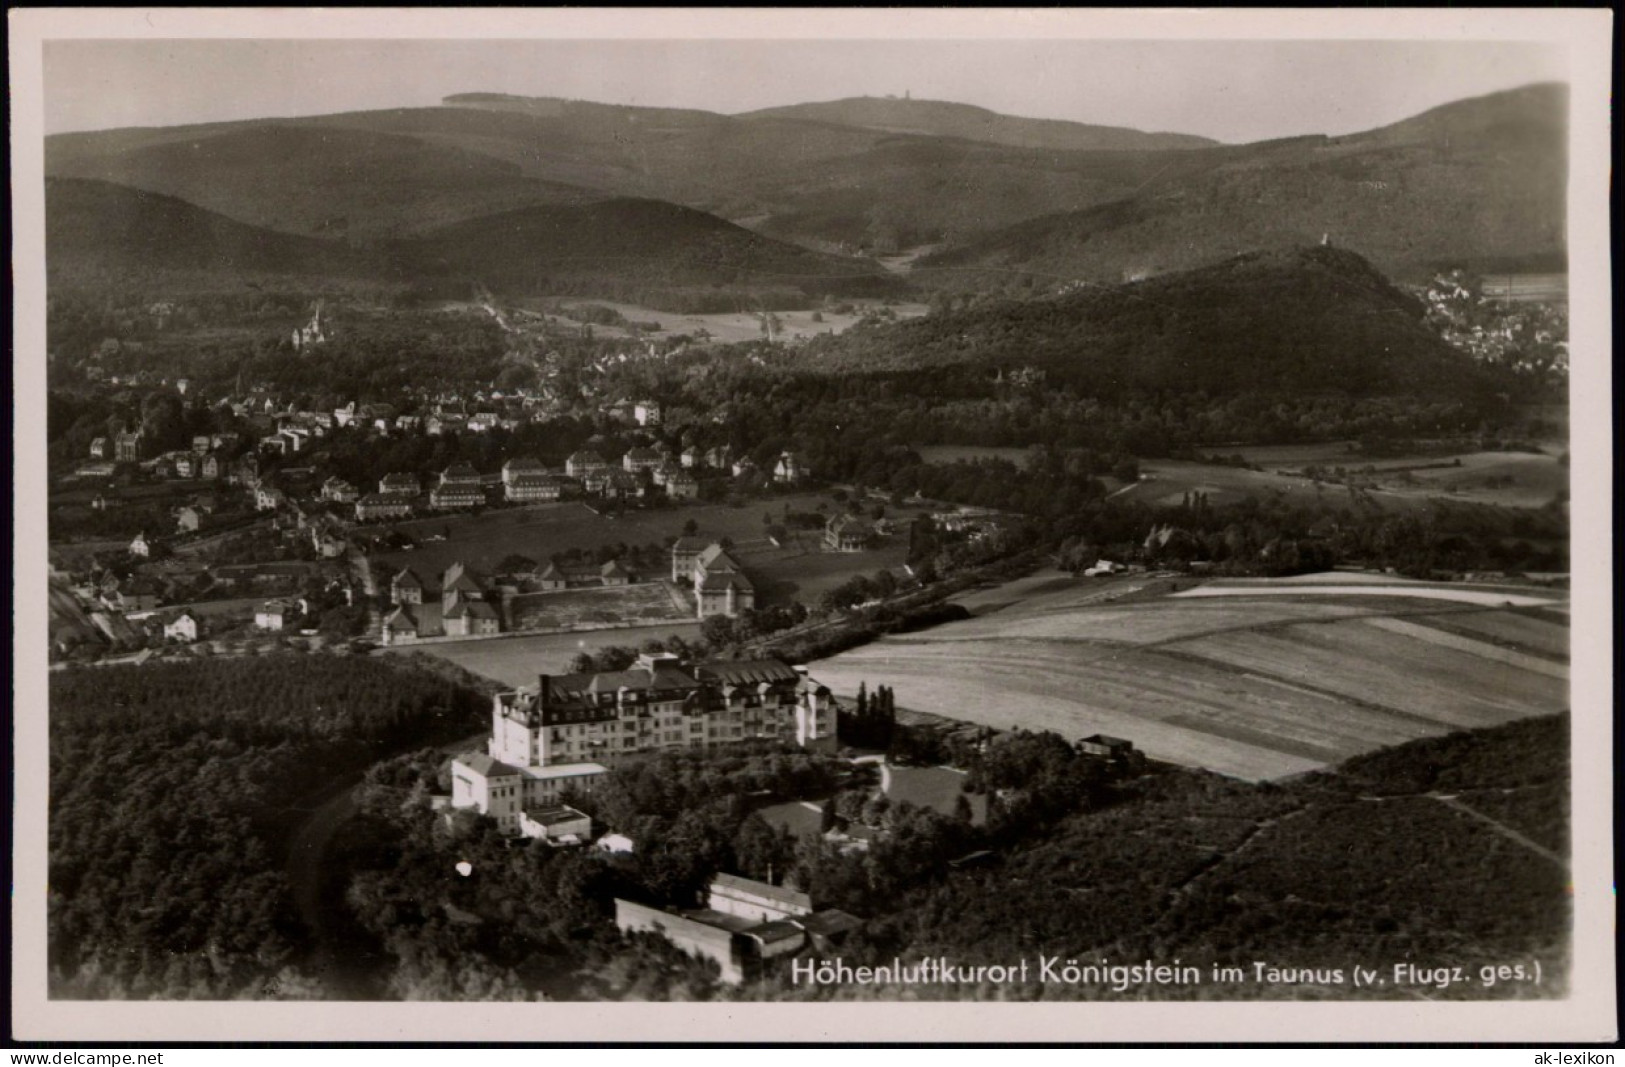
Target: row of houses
point(459, 606)
point(786, 469)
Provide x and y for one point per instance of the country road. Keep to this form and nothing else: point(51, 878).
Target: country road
point(346, 974)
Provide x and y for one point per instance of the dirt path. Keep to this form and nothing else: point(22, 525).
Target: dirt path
point(1502, 828)
point(345, 974)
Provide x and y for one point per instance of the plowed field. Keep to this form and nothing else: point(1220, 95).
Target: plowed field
point(1267, 680)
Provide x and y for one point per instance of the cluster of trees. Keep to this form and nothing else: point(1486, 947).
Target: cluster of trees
point(872, 722)
point(170, 787)
point(1152, 867)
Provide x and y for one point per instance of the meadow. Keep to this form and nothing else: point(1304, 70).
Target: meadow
point(518, 660)
point(1265, 681)
point(798, 569)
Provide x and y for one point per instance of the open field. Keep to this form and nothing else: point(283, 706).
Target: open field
point(1265, 681)
point(518, 660)
point(728, 327)
point(1509, 479)
point(799, 569)
point(650, 602)
point(1166, 481)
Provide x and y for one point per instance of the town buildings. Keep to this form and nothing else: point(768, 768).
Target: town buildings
point(745, 925)
point(719, 581)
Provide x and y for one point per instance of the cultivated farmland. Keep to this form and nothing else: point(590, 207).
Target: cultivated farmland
point(518, 660)
point(1269, 679)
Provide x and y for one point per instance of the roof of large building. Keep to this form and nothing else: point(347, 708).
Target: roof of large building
point(710, 582)
point(555, 813)
point(782, 894)
point(564, 770)
point(473, 609)
point(831, 922)
point(690, 545)
point(746, 672)
point(524, 463)
point(480, 763)
point(408, 578)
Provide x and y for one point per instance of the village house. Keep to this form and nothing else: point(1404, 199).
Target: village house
point(98, 448)
point(128, 446)
point(691, 458)
point(620, 485)
point(613, 574)
point(646, 413)
point(471, 618)
point(190, 519)
point(186, 466)
point(483, 422)
point(456, 497)
point(339, 491)
point(528, 488)
point(140, 547)
point(413, 622)
point(682, 486)
point(400, 483)
point(641, 459)
point(743, 466)
point(183, 627)
point(202, 443)
point(384, 506)
point(247, 472)
point(268, 498)
point(721, 457)
point(274, 615)
point(580, 464)
point(210, 466)
point(720, 584)
point(522, 467)
point(788, 469)
point(843, 533)
point(406, 587)
point(459, 475)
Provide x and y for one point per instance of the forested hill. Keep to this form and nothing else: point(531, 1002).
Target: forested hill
point(1478, 183)
point(98, 232)
point(630, 244)
point(1307, 321)
point(940, 118)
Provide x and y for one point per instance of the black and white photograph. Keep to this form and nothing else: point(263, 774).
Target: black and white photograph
point(585, 513)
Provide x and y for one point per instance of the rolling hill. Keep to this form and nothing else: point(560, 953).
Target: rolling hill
point(649, 250)
point(405, 171)
point(1478, 183)
point(1305, 322)
point(309, 180)
point(98, 233)
point(671, 256)
point(938, 118)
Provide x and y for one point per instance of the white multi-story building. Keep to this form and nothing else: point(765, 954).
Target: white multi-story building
point(571, 727)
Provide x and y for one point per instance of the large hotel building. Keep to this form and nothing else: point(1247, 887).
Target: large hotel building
point(571, 728)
